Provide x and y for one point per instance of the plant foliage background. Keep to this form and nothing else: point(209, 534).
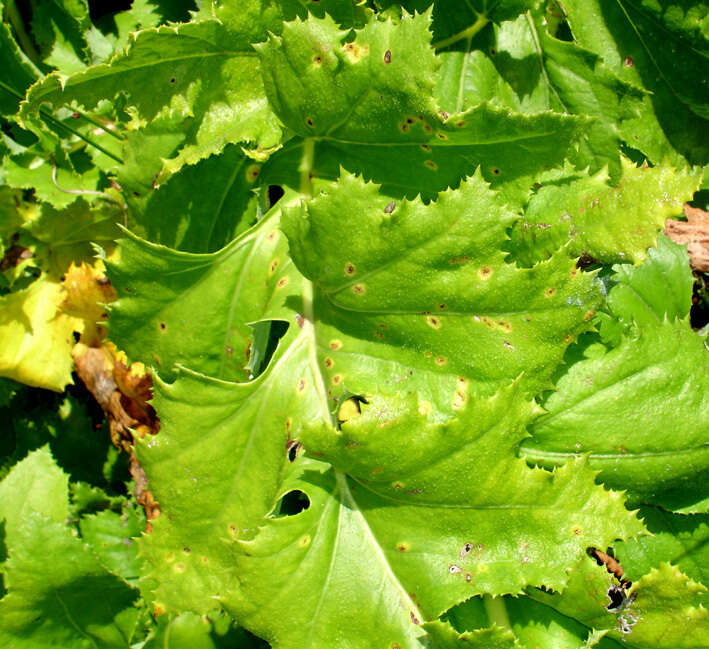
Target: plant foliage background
point(352, 324)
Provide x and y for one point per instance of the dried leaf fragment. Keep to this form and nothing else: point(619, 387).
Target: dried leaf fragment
point(695, 233)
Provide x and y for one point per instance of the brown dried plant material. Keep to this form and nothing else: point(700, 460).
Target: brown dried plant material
point(122, 391)
point(695, 233)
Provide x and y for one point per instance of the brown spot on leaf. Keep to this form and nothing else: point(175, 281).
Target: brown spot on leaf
point(387, 57)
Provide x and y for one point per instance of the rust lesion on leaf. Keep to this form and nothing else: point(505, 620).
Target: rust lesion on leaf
point(695, 233)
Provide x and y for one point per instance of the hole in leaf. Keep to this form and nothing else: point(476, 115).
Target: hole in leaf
point(265, 341)
point(293, 449)
point(275, 193)
point(292, 503)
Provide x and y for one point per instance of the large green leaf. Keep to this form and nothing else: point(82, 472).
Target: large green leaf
point(429, 287)
point(400, 523)
point(416, 283)
point(367, 105)
point(334, 342)
point(660, 47)
point(521, 67)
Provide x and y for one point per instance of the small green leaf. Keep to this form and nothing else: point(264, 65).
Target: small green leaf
point(635, 412)
point(443, 636)
point(36, 484)
point(111, 535)
point(679, 539)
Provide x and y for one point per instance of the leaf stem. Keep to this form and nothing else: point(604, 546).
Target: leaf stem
point(306, 167)
point(49, 118)
point(497, 611)
point(18, 26)
point(103, 127)
point(468, 32)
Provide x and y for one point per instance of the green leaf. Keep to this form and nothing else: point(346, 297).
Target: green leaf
point(190, 631)
point(367, 105)
point(400, 522)
point(679, 539)
point(617, 407)
point(54, 184)
point(251, 20)
point(111, 535)
point(232, 479)
point(194, 309)
point(662, 48)
point(663, 609)
point(58, 29)
point(18, 71)
point(59, 594)
point(659, 288)
point(205, 221)
point(205, 78)
point(429, 285)
point(608, 224)
point(521, 67)
point(36, 484)
point(443, 636)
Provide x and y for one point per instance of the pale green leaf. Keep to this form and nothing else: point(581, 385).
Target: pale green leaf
point(606, 223)
point(37, 339)
point(35, 484)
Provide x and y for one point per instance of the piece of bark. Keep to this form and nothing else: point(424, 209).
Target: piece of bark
point(695, 233)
